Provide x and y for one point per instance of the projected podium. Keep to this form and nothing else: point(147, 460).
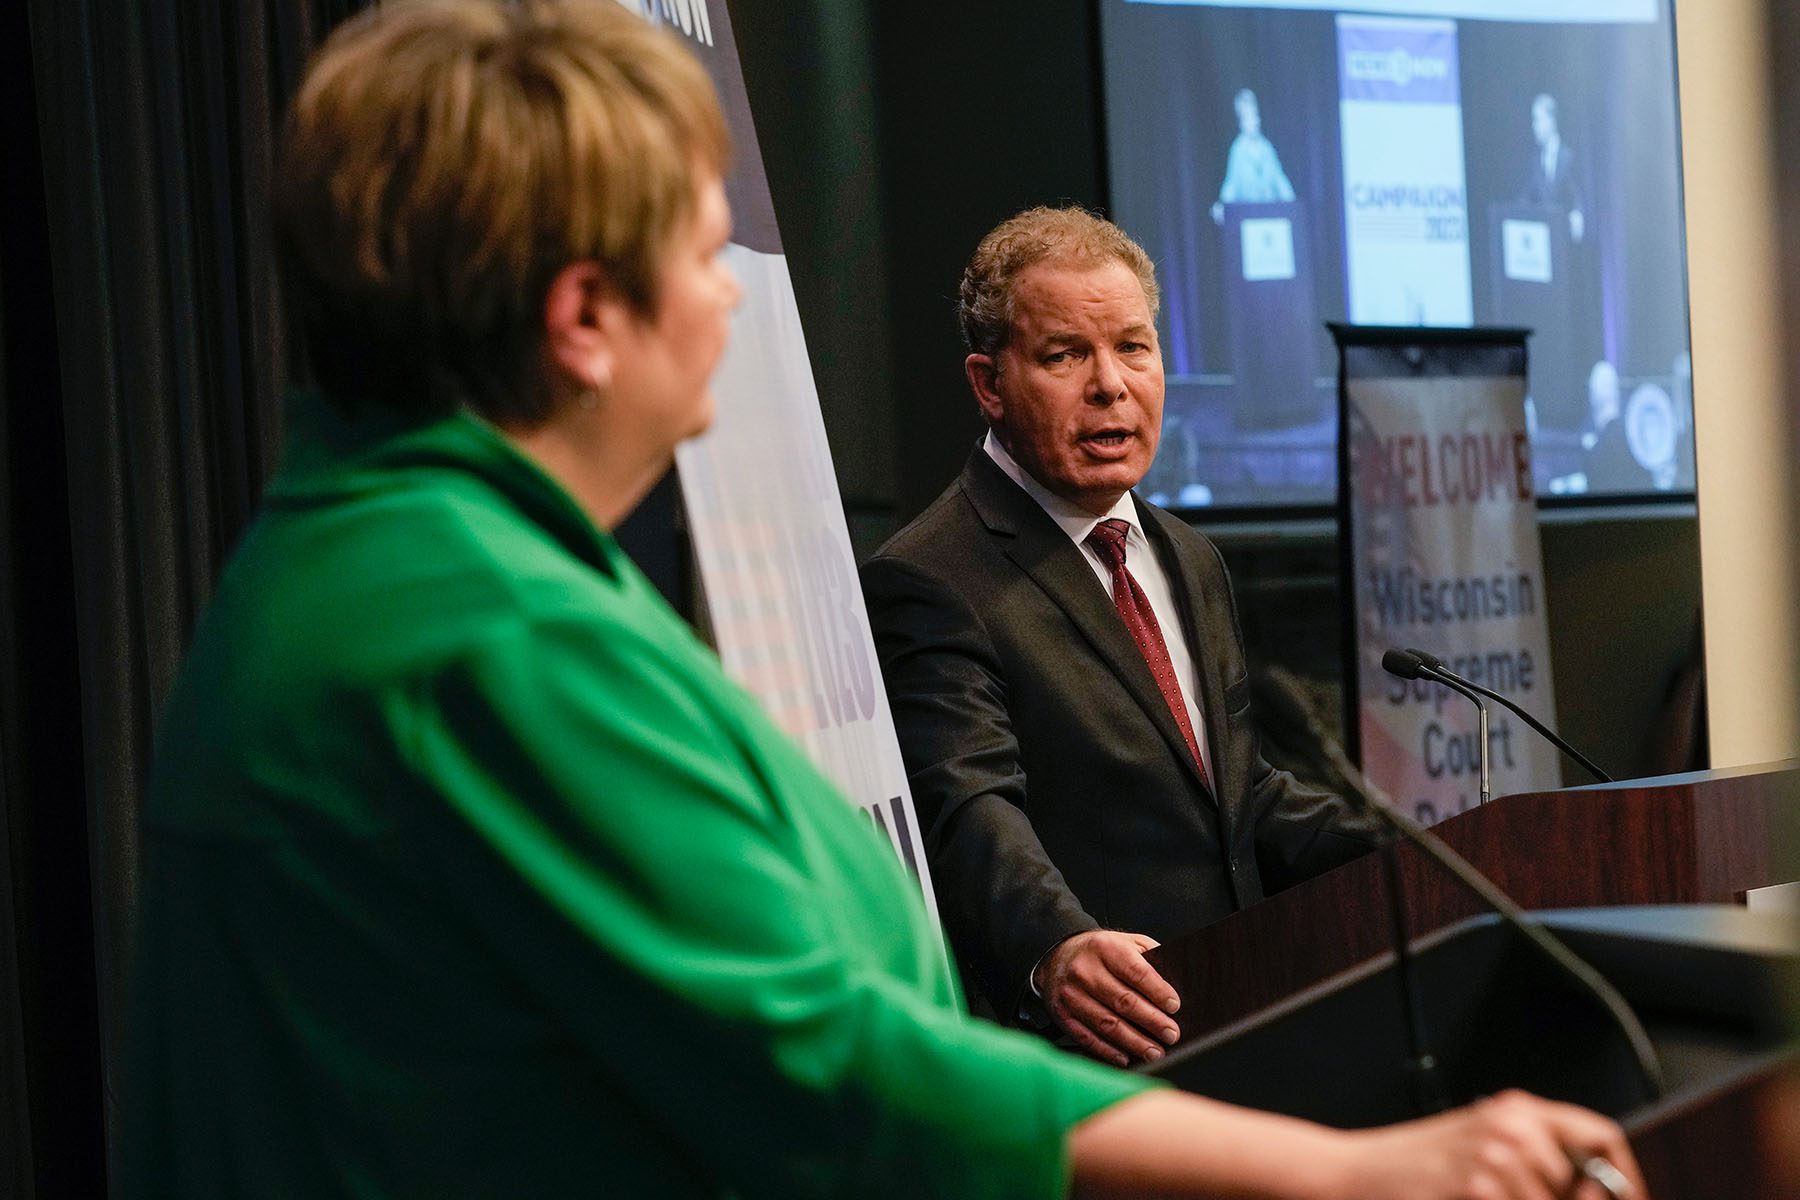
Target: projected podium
point(1271, 316)
point(1535, 284)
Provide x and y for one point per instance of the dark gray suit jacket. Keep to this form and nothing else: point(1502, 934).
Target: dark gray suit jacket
point(1054, 787)
point(1558, 188)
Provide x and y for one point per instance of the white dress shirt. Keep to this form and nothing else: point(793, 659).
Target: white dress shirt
point(1140, 559)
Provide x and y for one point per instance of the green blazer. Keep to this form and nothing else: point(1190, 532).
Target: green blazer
point(468, 873)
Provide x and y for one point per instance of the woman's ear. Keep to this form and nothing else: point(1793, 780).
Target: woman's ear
point(582, 315)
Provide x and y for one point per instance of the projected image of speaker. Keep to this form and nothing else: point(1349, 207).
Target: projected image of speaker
point(1440, 163)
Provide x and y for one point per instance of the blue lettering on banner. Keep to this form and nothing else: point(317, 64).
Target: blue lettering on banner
point(842, 676)
point(1427, 812)
point(1458, 752)
point(878, 817)
point(1395, 65)
point(1401, 195)
point(1403, 598)
point(1509, 672)
point(1397, 61)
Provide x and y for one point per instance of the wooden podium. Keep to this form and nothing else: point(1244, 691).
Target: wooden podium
point(1270, 995)
point(1493, 1015)
point(1705, 837)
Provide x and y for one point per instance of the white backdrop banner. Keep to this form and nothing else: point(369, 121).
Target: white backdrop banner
point(1406, 221)
point(762, 500)
point(1444, 556)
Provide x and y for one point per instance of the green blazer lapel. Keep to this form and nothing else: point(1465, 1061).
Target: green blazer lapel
point(1189, 574)
point(1038, 546)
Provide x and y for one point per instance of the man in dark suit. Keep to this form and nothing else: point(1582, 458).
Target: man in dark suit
point(1065, 666)
point(1551, 181)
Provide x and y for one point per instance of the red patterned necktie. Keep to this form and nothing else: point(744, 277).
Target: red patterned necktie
point(1108, 538)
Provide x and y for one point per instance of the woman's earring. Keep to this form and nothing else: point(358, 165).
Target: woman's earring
point(597, 382)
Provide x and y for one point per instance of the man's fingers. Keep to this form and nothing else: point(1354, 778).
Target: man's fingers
point(1112, 1028)
point(1064, 1006)
point(1117, 995)
point(1090, 1041)
point(1141, 977)
point(1099, 988)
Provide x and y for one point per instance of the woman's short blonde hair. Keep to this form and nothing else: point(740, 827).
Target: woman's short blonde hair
point(443, 160)
point(1070, 236)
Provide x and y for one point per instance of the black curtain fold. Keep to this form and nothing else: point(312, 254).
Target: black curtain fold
point(52, 1142)
point(143, 380)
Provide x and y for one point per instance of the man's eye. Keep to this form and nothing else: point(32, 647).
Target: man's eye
point(1058, 357)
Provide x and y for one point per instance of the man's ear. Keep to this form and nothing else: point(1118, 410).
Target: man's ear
point(582, 312)
point(984, 378)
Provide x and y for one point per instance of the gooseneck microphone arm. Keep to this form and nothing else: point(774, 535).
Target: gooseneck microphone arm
point(1435, 666)
point(1422, 1065)
point(1279, 698)
point(1283, 701)
point(1408, 665)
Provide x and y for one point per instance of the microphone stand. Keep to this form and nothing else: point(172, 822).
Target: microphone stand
point(1281, 688)
point(1421, 1066)
point(1407, 664)
point(1434, 667)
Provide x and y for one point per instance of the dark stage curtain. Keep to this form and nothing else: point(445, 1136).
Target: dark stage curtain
point(143, 354)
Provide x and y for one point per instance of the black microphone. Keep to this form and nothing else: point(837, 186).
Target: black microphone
point(1279, 695)
point(1408, 665)
point(1435, 665)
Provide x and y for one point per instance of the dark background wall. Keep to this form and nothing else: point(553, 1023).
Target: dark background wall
point(895, 135)
point(941, 119)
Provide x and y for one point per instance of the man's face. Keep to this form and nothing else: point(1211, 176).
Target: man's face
point(1076, 395)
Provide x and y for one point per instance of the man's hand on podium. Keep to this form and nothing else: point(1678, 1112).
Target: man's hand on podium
point(1100, 989)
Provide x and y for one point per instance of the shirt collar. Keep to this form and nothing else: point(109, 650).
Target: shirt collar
point(1071, 518)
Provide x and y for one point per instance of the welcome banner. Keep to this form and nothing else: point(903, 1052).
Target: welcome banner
point(762, 499)
point(1440, 519)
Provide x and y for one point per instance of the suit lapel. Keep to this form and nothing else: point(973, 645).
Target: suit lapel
point(1039, 547)
point(1182, 564)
